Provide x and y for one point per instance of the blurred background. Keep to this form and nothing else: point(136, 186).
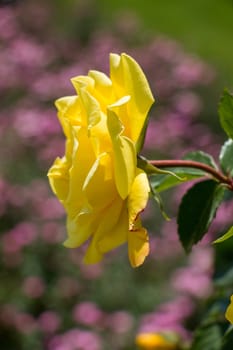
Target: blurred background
point(48, 298)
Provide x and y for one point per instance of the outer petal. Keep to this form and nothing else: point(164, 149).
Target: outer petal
point(117, 74)
point(137, 84)
point(120, 107)
point(69, 113)
point(92, 108)
point(83, 82)
point(79, 229)
point(124, 155)
point(138, 245)
point(138, 196)
point(129, 79)
point(118, 235)
point(82, 160)
point(70, 117)
point(98, 192)
point(59, 178)
point(106, 237)
point(99, 186)
point(103, 88)
point(229, 312)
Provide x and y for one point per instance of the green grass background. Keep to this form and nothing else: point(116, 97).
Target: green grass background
point(204, 27)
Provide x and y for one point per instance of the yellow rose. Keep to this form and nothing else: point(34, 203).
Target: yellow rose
point(229, 311)
point(97, 181)
point(154, 341)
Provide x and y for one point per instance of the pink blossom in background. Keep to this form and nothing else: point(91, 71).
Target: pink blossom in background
point(169, 317)
point(33, 287)
point(24, 233)
point(35, 125)
point(12, 259)
point(49, 322)
point(191, 281)
point(9, 245)
point(50, 209)
point(76, 339)
point(52, 232)
point(4, 197)
point(28, 53)
point(191, 71)
point(88, 313)
point(222, 221)
point(120, 322)
point(68, 287)
point(25, 323)
point(195, 279)
point(15, 240)
point(8, 314)
point(166, 240)
point(187, 103)
point(202, 257)
point(50, 150)
point(8, 25)
point(92, 272)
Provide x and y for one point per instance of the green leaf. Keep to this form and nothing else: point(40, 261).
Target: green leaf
point(227, 341)
point(225, 111)
point(142, 135)
point(159, 201)
point(197, 210)
point(199, 156)
point(207, 337)
point(226, 280)
point(164, 182)
point(226, 236)
point(150, 169)
point(226, 157)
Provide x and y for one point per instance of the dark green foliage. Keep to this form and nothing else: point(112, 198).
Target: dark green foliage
point(226, 157)
point(225, 281)
point(227, 341)
point(162, 182)
point(225, 111)
point(200, 156)
point(207, 337)
point(197, 210)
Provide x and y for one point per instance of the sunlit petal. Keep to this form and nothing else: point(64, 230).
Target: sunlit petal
point(59, 178)
point(138, 196)
point(138, 245)
point(129, 79)
point(124, 155)
point(229, 311)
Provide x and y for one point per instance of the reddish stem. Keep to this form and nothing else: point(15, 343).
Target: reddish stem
point(193, 164)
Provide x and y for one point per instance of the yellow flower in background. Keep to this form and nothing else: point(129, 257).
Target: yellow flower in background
point(229, 311)
point(154, 341)
point(97, 180)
